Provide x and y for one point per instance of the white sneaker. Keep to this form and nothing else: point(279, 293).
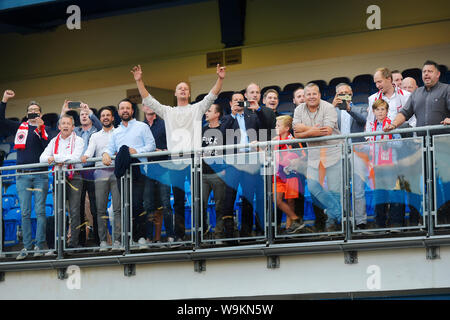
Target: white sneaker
point(116, 246)
point(22, 255)
point(37, 252)
point(50, 253)
point(143, 244)
point(103, 246)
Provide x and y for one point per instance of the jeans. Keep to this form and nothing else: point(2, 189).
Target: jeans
point(26, 185)
point(329, 199)
point(215, 183)
point(156, 195)
point(106, 182)
point(177, 179)
point(73, 193)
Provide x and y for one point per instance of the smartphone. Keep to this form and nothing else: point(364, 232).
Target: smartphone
point(74, 105)
point(32, 116)
point(244, 104)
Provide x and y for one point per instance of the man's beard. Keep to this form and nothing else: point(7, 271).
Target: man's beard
point(126, 118)
point(107, 125)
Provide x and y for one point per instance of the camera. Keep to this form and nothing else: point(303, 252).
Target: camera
point(345, 99)
point(32, 116)
point(244, 104)
point(74, 105)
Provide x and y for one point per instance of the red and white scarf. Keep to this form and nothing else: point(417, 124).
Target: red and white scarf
point(384, 156)
point(70, 147)
point(22, 134)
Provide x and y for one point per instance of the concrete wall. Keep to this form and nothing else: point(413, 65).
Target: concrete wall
point(401, 269)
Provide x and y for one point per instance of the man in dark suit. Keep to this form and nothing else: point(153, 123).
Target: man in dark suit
point(242, 127)
point(352, 119)
point(266, 115)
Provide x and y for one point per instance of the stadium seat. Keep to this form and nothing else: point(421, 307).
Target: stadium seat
point(334, 82)
point(11, 190)
point(9, 202)
point(414, 73)
point(285, 97)
point(323, 87)
point(286, 108)
point(360, 98)
point(443, 69)
point(274, 87)
point(363, 84)
point(51, 120)
point(200, 97)
point(291, 87)
point(11, 156)
point(5, 147)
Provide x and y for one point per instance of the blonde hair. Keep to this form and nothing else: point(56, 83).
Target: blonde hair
point(385, 72)
point(286, 121)
point(380, 103)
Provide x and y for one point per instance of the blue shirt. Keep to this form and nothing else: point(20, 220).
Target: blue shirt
point(136, 135)
point(241, 122)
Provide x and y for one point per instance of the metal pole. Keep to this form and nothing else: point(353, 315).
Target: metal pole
point(196, 201)
point(59, 216)
point(429, 184)
point(347, 192)
point(269, 212)
point(126, 210)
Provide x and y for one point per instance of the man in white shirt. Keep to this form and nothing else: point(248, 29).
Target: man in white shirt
point(67, 147)
point(105, 180)
point(183, 132)
point(394, 96)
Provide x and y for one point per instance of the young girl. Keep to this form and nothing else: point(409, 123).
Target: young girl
point(286, 186)
point(383, 158)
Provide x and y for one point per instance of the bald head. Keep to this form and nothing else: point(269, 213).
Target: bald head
point(253, 92)
point(409, 84)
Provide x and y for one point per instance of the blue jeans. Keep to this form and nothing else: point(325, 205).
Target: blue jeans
point(329, 199)
point(26, 185)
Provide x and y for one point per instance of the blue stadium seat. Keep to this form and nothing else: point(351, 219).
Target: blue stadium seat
point(360, 98)
point(286, 108)
point(285, 97)
point(200, 97)
point(334, 82)
point(363, 84)
point(414, 73)
point(9, 202)
point(11, 190)
point(274, 87)
point(291, 87)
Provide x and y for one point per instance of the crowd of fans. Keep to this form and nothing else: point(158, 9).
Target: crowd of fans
point(399, 103)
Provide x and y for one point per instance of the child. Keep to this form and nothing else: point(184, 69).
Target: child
point(383, 158)
point(286, 186)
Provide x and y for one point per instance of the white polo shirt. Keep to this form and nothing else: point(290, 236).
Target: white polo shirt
point(97, 144)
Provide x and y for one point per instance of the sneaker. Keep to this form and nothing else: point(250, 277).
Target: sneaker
point(50, 253)
point(295, 226)
point(37, 251)
point(116, 246)
point(22, 255)
point(143, 244)
point(103, 246)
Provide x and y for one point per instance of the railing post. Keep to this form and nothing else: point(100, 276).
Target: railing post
point(269, 173)
point(429, 183)
point(59, 216)
point(196, 201)
point(126, 210)
point(347, 191)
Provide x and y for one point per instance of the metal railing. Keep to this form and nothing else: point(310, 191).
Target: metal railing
point(265, 235)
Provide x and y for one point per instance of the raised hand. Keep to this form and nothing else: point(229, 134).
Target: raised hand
point(220, 71)
point(8, 94)
point(65, 107)
point(137, 72)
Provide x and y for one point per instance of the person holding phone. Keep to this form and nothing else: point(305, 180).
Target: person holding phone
point(90, 124)
point(352, 119)
point(31, 139)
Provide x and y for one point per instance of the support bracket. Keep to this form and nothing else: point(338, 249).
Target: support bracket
point(199, 265)
point(351, 257)
point(433, 252)
point(273, 262)
point(129, 270)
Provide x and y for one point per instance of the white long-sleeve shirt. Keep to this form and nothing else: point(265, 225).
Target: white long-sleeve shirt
point(98, 144)
point(64, 151)
point(183, 123)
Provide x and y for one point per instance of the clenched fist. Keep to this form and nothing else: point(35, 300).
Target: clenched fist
point(8, 94)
